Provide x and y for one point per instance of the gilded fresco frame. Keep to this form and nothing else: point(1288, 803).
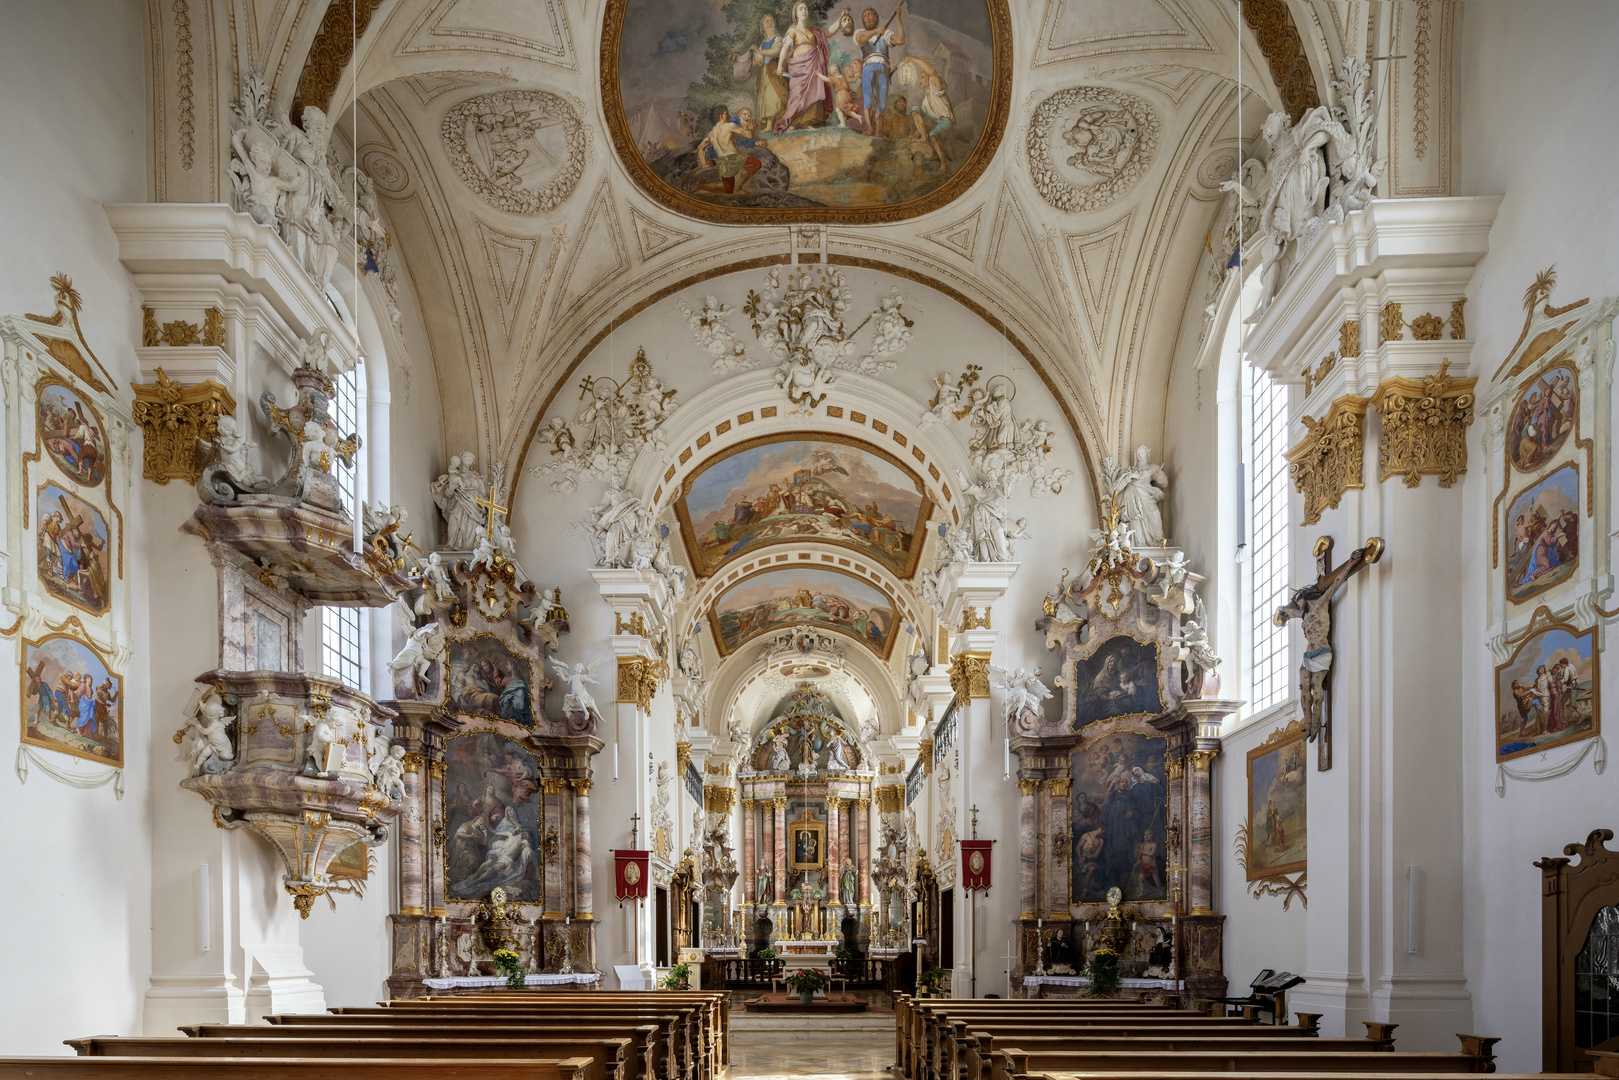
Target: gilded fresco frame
point(688, 532)
point(713, 615)
point(68, 486)
point(1536, 629)
point(650, 184)
point(1074, 900)
point(82, 639)
point(1279, 740)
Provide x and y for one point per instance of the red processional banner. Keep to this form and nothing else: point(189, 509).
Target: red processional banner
point(975, 864)
point(630, 873)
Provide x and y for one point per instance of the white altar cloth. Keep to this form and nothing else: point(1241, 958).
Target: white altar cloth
point(481, 982)
point(1081, 981)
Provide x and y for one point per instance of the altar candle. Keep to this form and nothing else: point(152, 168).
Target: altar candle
point(1006, 762)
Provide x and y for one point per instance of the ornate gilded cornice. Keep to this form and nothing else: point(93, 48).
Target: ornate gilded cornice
point(719, 800)
point(924, 752)
point(638, 680)
point(1424, 426)
point(973, 619)
point(890, 799)
point(1327, 462)
point(181, 333)
point(969, 676)
point(174, 417)
point(1349, 339)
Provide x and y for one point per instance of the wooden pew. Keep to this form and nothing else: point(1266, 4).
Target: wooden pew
point(1014, 1062)
point(226, 1068)
point(652, 1041)
point(699, 1039)
point(972, 1042)
point(610, 1058)
point(718, 1002)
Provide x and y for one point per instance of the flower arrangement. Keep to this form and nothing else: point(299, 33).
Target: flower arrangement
point(509, 964)
point(929, 981)
point(679, 978)
point(808, 981)
point(1103, 972)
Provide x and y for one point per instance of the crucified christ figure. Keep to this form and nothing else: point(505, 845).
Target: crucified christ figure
point(1312, 606)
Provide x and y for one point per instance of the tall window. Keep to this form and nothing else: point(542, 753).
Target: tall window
point(1267, 533)
point(342, 629)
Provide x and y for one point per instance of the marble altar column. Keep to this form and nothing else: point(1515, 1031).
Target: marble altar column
point(1027, 881)
point(862, 847)
point(551, 829)
point(780, 826)
point(834, 847)
point(750, 869)
point(412, 893)
point(583, 898)
point(1200, 875)
point(1057, 819)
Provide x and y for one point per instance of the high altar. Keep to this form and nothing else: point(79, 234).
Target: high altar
point(806, 793)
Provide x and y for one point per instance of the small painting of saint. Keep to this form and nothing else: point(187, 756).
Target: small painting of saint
point(488, 679)
point(1543, 534)
point(72, 433)
point(1119, 679)
point(73, 549)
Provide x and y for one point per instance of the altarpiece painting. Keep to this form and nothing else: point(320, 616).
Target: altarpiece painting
point(1120, 813)
point(492, 817)
point(780, 490)
point(1119, 679)
point(486, 678)
point(769, 110)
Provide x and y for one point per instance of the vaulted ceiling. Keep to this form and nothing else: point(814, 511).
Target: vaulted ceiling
point(512, 291)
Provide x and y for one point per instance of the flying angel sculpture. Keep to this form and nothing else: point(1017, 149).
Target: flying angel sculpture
point(577, 677)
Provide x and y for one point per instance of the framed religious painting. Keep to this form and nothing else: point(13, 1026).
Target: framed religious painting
point(71, 431)
point(486, 678)
point(74, 548)
point(1120, 813)
point(1118, 679)
point(782, 488)
point(806, 844)
point(1543, 417)
point(1277, 836)
point(71, 702)
point(1547, 693)
point(492, 818)
point(1543, 534)
point(776, 112)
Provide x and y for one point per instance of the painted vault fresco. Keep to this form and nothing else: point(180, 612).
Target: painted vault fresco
point(769, 110)
point(776, 599)
point(782, 490)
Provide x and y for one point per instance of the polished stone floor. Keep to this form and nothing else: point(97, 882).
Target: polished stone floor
point(834, 1053)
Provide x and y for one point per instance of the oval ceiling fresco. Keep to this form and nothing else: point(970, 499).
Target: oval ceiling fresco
point(785, 489)
point(767, 111)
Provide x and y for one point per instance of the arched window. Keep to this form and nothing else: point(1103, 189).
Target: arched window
point(1254, 440)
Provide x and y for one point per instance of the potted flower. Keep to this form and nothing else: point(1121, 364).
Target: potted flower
point(1103, 972)
point(928, 982)
point(509, 964)
point(679, 978)
point(806, 982)
point(767, 953)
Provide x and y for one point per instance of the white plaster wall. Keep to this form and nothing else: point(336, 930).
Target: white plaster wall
point(77, 862)
point(946, 339)
point(1548, 143)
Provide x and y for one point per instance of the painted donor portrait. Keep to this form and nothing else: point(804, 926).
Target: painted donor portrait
point(1543, 417)
point(72, 433)
point(1547, 693)
point(778, 491)
point(774, 110)
point(1119, 819)
point(792, 597)
point(492, 808)
point(70, 701)
point(1277, 822)
point(1119, 679)
point(488, 679)
point(1543, 534)
point(74, 549)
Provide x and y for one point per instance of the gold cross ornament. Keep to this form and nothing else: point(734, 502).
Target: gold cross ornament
point(494, 508)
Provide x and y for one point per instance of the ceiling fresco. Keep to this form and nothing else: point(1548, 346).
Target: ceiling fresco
point(789, 489)
point(775, 600)
point(772, 111)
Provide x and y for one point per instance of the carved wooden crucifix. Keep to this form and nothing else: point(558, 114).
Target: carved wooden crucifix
point(1312, 606)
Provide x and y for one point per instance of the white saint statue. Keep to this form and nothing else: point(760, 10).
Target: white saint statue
point(1137, 487)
